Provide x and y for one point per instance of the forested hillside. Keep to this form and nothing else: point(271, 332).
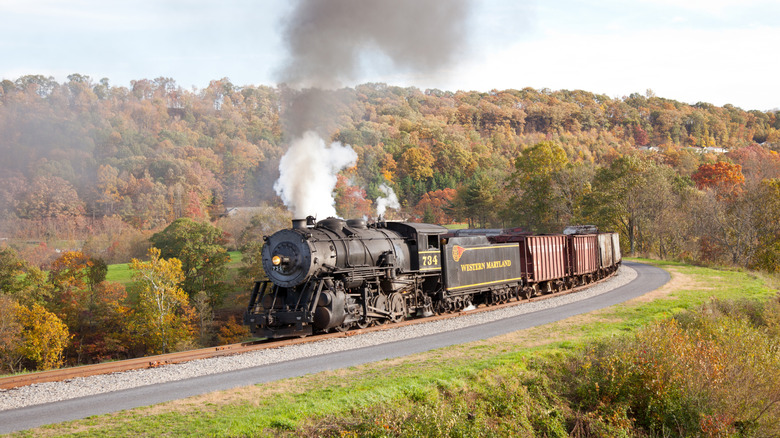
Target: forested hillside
point(93, 173)
point(85, 158)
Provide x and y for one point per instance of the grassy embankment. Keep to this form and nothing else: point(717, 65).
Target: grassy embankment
point(544, 379)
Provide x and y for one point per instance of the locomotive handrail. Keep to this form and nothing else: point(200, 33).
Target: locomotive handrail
point(313, 304)
point(305, 292)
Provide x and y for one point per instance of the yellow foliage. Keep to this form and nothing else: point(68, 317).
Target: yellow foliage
point(44, 336)
point(163, 316)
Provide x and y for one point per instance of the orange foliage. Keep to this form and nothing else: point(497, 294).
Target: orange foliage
point(351, 201)
point(432, 206)
point(232, 332)
point(722, 176)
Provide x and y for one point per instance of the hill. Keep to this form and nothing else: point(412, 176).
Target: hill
point(93, 166)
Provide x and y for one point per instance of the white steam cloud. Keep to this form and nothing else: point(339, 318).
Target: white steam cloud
point(308, 174)
point(389, 200)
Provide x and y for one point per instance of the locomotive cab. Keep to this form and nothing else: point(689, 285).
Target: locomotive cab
point(424, 242)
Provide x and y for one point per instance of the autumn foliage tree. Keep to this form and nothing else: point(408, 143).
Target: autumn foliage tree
point(767, 255)
point(434, 206)
point(351, 201)
point(723, 177)
point(93, 309)
point(18, 279)
point(162, 318)
point(10, 335)
point(533, 180)
point(44, 336)
point(200, 248)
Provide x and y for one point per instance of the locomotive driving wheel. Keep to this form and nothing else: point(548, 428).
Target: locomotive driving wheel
point(397, 307)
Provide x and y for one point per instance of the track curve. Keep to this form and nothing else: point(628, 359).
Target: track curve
point(648, 279)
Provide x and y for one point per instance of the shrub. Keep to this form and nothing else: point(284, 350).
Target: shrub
point(708, 372)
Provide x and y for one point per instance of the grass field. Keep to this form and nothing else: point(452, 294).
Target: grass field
point(121, 272)
point(312, 403)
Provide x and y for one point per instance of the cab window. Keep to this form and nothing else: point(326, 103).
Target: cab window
point(433, 241)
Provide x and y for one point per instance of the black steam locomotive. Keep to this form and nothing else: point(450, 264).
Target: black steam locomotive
point(334, 275)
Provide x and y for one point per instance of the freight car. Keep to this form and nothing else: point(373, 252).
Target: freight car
point(334, 275)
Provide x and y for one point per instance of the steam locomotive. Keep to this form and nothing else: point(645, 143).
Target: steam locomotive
point(335, 274)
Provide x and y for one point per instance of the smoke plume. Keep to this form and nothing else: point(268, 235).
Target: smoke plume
point(307, 175)
point(328, 40)
point(388, 200)
point(332, 42)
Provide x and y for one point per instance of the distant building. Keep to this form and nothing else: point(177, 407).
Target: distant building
point(232, 211)
point(708, 150)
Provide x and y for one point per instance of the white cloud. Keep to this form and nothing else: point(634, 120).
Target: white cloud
point(715, 7)
point(719, 67)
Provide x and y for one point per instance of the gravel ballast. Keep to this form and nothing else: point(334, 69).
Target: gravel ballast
point(85, 386)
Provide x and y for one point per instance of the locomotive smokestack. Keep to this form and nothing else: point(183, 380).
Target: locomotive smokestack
point(298, 224)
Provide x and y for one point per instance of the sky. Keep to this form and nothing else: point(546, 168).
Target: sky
point(715, 51)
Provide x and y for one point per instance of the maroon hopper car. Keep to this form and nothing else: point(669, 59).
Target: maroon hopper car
point(542, 259)
point(583, 252)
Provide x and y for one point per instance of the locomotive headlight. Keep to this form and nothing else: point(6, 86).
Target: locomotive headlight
point(280, 260)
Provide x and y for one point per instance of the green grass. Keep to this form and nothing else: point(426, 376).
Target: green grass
point(283, 406)
point(120, 273)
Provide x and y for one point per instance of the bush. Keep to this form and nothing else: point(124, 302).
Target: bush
point(710, 372)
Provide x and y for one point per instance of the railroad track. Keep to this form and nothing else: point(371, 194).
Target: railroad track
point(16, 381)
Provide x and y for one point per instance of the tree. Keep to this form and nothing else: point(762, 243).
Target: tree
point(92, 308)
point(640, 136)
point(767, 255)
point(26, 284)
point(108, 188)
point(417, 163)
point(49, 197)
point(232, 332)
point(11, 267)
point(44, 336)
point(76, 269)
point(162, 315)
point(570, 186)
point(103, 330)
point(478, 201)
point(616, 201)
point(725, 178)
point(10, 335)
point(199, 247)
point(204, 316)
point(728, 226)
point(433, 206)
point(351, 201)
point(537, 200)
